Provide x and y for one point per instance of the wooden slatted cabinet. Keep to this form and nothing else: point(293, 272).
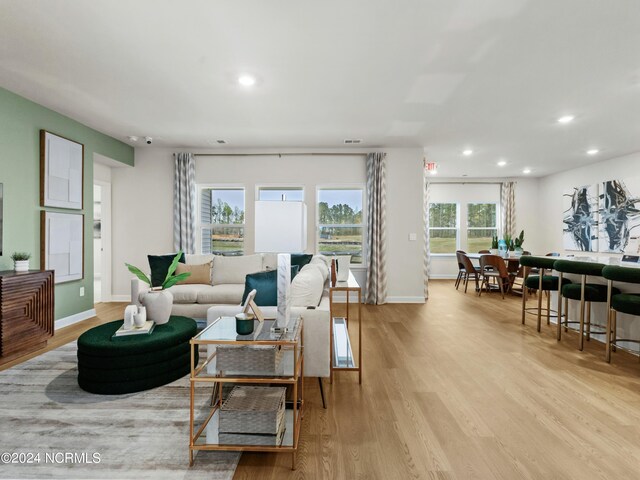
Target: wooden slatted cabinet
point(26, 311)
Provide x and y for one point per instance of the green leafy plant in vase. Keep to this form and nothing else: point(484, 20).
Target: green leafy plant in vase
point(21, 261)
point(517, 243)
point(494, 244)
point(159, 301)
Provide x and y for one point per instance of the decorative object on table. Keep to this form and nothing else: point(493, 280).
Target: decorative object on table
point(502, 248)
point(140, 317)
point(250, 305)
point(281, 227)
point(21, 261)
point(253, 416)
point(62, 172)
point(145, 328)
point(619, 214)
point(62, 245)
point(494, 245)
point(129, 312)
point(158, 301)
point(343, 263)
point(580, 219)
point(517, 244)
point(244, 323)
point(334, 273)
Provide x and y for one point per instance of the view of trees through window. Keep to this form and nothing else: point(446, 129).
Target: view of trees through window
point(340, 223)
point(481, 225)
point(222, 220)
point(443, 227)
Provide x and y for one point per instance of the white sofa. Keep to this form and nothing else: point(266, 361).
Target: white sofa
point(309, 292)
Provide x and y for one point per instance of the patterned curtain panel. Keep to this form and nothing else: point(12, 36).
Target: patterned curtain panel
point(427, 239)
point(184, 203)
point(376, 289)
point(508, 208)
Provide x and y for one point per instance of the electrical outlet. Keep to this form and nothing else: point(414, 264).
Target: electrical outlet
point(412, 237)
point(82, 291)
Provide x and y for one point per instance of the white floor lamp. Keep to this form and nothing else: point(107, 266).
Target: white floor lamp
point(281, 227)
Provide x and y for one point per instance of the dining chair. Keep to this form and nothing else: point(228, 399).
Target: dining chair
point(461, 269)
point(493, 267)
point(541, 283)
point(584, 292)
point(470, 270)
point(628, 303)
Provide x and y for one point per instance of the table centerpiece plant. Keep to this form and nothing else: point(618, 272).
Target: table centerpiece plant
point(158, 300)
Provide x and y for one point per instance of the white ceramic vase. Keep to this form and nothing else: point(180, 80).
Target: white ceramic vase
point(158, 304)
point(21, 265)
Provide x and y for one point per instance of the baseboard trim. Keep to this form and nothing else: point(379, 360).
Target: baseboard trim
point(120, 298)
point(443, 277)
point(405, 299)
point(75, 318)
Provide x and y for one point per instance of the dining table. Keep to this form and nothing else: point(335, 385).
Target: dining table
point(513, 267)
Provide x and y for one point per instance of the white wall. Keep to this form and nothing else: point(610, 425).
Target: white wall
point(445, 266)
point(143, 204)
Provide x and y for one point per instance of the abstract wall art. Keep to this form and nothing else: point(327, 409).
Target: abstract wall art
point(580, 219)
point(62, 247)
point(61, 172)
point(619, 214)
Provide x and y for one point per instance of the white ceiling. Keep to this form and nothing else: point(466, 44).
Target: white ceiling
point(491, 75)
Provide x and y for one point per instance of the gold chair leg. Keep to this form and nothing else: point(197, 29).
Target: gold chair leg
point(607, 333)
point(566, 314)
point(588, 321)
point(581, 331)
point(559, 324)
point(524, 302)
point(540, 298)
point(549, 307)
point(614, 329)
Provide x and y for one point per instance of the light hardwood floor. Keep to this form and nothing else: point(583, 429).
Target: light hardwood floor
point(458, 388)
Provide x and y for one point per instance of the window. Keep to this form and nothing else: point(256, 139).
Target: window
point(289, 194)
point(340, 222)
point(481, 225)
point(222, 220)
point(443, 227)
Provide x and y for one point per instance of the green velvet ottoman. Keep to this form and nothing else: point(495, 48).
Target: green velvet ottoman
point(112, 366)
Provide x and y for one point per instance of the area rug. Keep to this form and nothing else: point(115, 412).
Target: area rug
point(53, 429)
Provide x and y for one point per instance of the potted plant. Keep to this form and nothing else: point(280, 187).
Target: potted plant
point(517, 243)
point(508, 240)
point(158, 301)
point(21, 261)
point(494, 245)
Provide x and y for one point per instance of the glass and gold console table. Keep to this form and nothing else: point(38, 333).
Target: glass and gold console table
point(204, 434)
point(342, 357)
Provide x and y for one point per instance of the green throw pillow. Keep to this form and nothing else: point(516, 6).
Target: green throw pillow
point(159, 265)
point(300, 259)
point(266, 286)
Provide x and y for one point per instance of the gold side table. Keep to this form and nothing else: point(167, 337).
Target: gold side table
point(342, 358)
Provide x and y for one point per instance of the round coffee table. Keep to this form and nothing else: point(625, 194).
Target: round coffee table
point(112, 366)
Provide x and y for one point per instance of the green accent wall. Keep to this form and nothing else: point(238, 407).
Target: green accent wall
point(20, 123)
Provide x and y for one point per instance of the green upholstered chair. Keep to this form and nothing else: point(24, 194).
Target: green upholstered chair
point(584, 292)
point(544, 281)
point(628, 303)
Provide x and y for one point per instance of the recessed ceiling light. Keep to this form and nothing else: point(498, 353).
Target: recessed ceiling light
point(433, 172)
point(246, 80)
point(593, 151)
point(467, 152)
point(502, 163)
point(526, 171)
point(566, 119)
point(133, 138)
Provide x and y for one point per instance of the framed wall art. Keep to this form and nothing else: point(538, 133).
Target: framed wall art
point(580, 219)
point(62, 245)
point(61, 172)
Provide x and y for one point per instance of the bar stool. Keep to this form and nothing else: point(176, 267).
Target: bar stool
point(628, 303)
point(584, 292)
point(541, 283)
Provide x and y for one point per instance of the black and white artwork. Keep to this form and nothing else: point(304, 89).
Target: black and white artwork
point(580, 219)
point(61, 166)
point(619, 215)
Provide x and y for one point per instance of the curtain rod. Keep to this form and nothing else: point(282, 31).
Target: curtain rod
point(466, 183)
point(275, 154)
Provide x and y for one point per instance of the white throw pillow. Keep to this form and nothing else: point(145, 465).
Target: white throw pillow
point(320, 266)
point(307, 287)
point(234, 269)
